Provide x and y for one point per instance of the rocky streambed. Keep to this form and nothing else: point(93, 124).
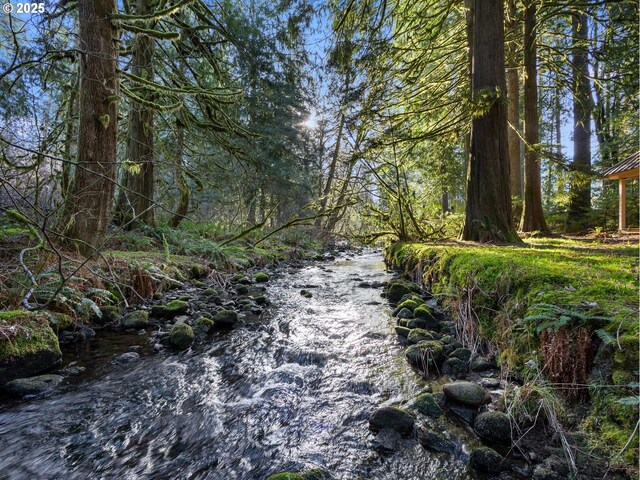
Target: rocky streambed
point(303, 370)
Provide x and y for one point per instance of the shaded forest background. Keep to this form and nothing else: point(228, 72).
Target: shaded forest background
point(235, 120)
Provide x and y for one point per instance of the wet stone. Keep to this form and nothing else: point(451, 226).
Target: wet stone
point(387, 440)
point(435, 441)
point(21, 387)
point(454, 367)
point(392, 418)
point(468, 393)
point(493, 426)
point(486, 460)
point(463, 354)
point(427, 405)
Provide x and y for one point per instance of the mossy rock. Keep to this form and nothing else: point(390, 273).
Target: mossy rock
point(110, 314)
point(137, 319)
point(315, 474)
point(29, 347)
point(225, 318)
point(393, 418)
point(261, 277)
point(21, 387)
point(402, 331)
point(417, 335)
point(242, 290)
point(409, 304)
point(203, 325)
point(468, 393)
point(171, 309)
point(396, 290)
point(494, 427)
point(211, 293)
point(198, 270)
point(427, 405)
point(426, 354)
point(405, 313)
point(486, 460)
point(60, 321)
point(463, 354)
point(455, 367)
point(424, 312)
point(181, 336)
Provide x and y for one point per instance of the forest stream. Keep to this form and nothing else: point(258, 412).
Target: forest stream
point(291, 390)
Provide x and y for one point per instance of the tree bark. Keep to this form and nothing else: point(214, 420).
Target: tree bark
point(580, 188)
point(532, 215)
point(185, 193)
point(513, 96)
point(135, 199)
point(91, 196)
point(488, 209)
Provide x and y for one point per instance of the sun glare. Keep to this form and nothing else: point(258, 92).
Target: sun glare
point(311, 122)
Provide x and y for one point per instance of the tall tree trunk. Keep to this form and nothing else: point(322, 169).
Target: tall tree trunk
point(135, 198)
point(185, 192)
point(65, 181)
point(513, 97)
point(532, 216)
point(488, 210)
point(91, 197)
point(580, 188)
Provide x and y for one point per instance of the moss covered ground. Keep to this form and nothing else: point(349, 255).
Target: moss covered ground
point(519, 293)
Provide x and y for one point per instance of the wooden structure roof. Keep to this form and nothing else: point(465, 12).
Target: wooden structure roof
point(627, 168)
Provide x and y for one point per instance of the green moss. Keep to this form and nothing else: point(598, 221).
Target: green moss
point(24, 333)
point(428, 405)
point(315, 474)
point(409, 304)
point(171, 309)
point(204, 325)
point(60, 321)
point(181, 336)
point(261, 277)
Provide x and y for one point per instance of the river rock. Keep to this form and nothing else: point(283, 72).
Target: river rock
point(181, 336)
point(261, 300)
point(435, 441)
point(409, 304)
point(454, 367)
point(402, 331)
point(110, 314)
point(171, 309)
point(490, 382)
point(481, 364)
point(315, 474)
point(34, 348)
point(426, 354)
point(394, 418)
point(468, 393)
point(427, 405)
point(137, 319)
point(242, 290)
point(464, 412)
point(203, 325)
point(387, 440)
point(225, 318)
point(425, 313)
point(486, 460)
point(552, 468)
point(493, 426)
point(21, 387)
point(464, 354)
point(261, 277)
point(417, 335)
point(396, 290)
point(306, 293)
point(127, 358)
point(405, 313)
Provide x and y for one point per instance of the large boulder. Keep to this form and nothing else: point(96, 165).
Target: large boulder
point(21, 387)
point(28, 345)
point(181, 336)
point(137, 319)
point(486, 460)
point(171, 309)
point(493, 426)
point(467, 393)
point(393, 418)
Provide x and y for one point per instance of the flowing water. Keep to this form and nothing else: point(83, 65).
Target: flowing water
point(291, 391)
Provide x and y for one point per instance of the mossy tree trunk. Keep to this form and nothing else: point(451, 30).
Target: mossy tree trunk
point(135, 198)
point(532, 215)
point(185, 192)
point(488, 209)
point(580, 188)
point(91, 196)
